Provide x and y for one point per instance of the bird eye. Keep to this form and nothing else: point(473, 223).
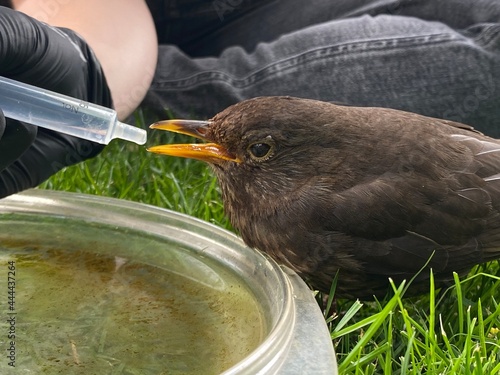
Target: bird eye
point(260, 151)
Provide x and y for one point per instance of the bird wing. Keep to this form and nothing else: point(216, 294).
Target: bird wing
point(397, 222)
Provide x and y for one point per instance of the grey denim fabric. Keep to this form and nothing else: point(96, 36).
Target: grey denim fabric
point(440, 58)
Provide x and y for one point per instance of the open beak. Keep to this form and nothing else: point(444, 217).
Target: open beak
point(208, 152)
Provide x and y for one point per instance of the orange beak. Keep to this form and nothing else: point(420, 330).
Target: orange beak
point(207, 152)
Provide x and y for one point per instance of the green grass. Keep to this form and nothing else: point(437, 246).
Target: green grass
point(454, 332)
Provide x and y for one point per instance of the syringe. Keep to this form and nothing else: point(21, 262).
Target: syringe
point(64, 114)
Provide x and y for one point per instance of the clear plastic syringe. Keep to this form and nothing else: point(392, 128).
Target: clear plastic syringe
point(64, 114)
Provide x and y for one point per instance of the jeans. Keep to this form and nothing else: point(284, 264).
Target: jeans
point(439, 58)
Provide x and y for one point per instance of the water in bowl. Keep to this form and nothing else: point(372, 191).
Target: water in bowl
point(86, 308)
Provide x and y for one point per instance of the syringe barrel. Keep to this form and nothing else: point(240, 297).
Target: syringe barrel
point(54, 111)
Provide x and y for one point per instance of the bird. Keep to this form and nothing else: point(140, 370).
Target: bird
point(364, 194)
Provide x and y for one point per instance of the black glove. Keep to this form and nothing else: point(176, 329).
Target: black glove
point(56, 59)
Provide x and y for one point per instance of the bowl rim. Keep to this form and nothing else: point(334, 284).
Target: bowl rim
point(270, 353)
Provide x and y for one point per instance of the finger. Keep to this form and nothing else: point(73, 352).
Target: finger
point(49, 153)
point(17, 137)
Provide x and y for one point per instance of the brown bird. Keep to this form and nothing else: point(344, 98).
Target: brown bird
point(370, 192)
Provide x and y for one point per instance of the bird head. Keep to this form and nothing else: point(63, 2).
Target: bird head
point(264, 149)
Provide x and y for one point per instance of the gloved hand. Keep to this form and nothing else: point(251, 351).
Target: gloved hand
point(56, 59)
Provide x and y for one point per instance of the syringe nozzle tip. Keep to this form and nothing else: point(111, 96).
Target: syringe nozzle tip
point(130, 133)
